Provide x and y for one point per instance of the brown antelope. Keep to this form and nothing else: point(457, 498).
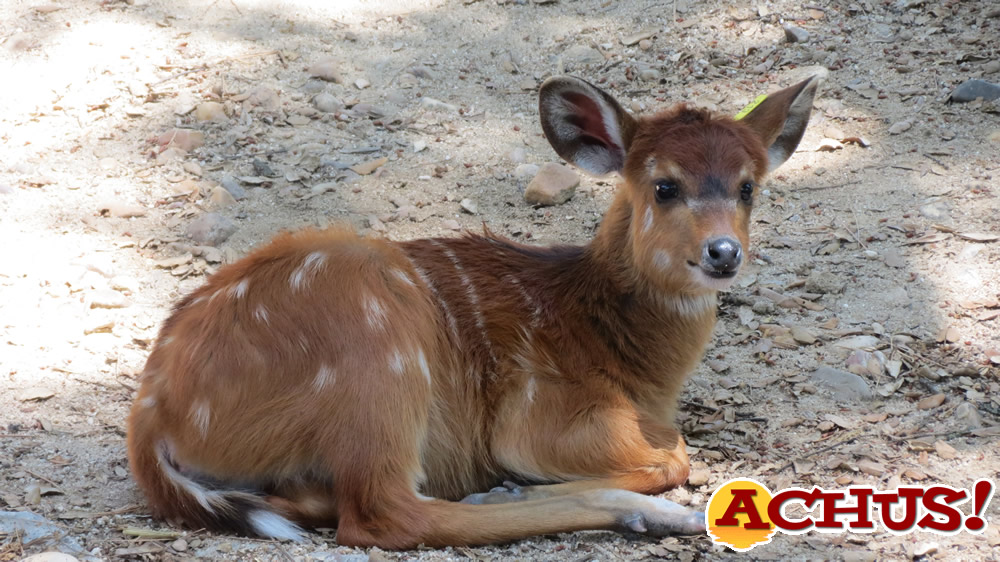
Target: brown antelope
point(329, 380)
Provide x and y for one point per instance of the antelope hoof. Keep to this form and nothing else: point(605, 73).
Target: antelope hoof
point(665, 518)
point(509, 492)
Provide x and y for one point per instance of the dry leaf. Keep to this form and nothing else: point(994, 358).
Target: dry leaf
point(932, 401)
point(978, 236)
point(875, 418)
point(366, 168)
point(871, 468)
point(928, 239)
point(944, 450)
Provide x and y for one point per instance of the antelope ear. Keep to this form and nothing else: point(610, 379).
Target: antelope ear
point(780, 120)
point(585, 125)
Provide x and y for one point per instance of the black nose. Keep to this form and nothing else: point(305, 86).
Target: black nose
point(722, 255)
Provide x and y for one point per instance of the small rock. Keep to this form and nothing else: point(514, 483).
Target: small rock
point(554, 184)
point(326, 103)
point(825, 282)
point(630, 40)
point(366, 168)
point(169, 155)
point(220, 198)
point(843, 385)
point(210, 229)
point(968, 415)
point(525, 171)
point(795, 34)
point(362, 83)
point(264, 98)
point(263, 168)
point(108, 299)
point(451, 224)
point(50, 557)
point(326, 69)
point(35, 394)
point(419, 145)
point(210, 111)
point(108, 164)
point(856, 342)
point(991, 67)
point(583, 55)
point(936, 211)
point(802, 335)
point(180, 545)
point(699, 477)
point(970, 90)
point(469, 206)
point(98, 326)
point(438, 105)
point(893, 258)
point(518, 155)
point(192, 168)
point(121, 210)
point(184, 139)
point(232, 185)
point(645, 44)
point(375, 224)
point(944, 450)
point(925, 549)
point(900, 127)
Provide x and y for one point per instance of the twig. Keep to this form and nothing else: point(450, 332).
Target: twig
point(149, 533)
point(40, 477)
point(829, 447)
point(956, 433)
point(822, 187)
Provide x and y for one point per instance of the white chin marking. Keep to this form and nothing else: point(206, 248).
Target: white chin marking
point(272, 525)
point(701, 278)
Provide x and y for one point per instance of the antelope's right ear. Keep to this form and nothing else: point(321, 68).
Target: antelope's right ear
point(585, 125)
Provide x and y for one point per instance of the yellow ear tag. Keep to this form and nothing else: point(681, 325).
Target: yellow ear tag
point(746, 110)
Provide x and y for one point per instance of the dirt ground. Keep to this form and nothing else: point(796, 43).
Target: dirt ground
point(877, 246)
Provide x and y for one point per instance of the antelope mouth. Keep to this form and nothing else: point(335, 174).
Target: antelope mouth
point(714, 279)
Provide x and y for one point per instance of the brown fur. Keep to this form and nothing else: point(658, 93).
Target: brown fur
point(292, 382)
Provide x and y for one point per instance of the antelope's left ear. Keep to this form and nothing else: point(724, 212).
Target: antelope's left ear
point(780, 120)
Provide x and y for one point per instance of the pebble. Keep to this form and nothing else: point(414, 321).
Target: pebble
point(582, 54)
point(936, 211)
point(50, 557)
point(192, 168)
point(554, 184)
point(419, 145)
point(525, 171)
point(630, 40)
point(375, 224)
point(802, 335)
point(438, 105)
point(843, 385)
point(210, 111)
point(124, 283)
point(98, 326)
point(991, 67)
point(210, 229)
point(313, 86)
point(264, 98)
point(645, 44)
point(825, 282)
point(108, 299)
point(699, 477)
point(326, 69)
point(518, 155)
point(180, 545)
point(795, 34)
point(451, 224)
point(900, 127)
point(326, 103)
point(184, 139)
point(233, 186)
point(968, 415)
point(121, 210)
point(220, 198)
point(263, 168)
point(362, 83)
point(970, 90)
point(469, 206)
point(170, 154)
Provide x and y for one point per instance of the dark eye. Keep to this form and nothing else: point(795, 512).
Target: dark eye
point(666, 189)
point(746, 192)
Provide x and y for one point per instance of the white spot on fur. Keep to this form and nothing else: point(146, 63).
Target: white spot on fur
point(396, 364)
point(260, 313)
point(166, 341)
point(375, 313)
point(424, 367)
point(536, 311)
point(271, 525)
point(530, 389)
point(647, 221)
point(324, 377)
point(661, 260)
point(402, 276)
point(239, 290)
point(148, 402)
point(424, 498)
point(197, 301)
point(299, 278)
point(200, 417)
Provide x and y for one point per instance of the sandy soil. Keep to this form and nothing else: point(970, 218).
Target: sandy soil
point(879, 260)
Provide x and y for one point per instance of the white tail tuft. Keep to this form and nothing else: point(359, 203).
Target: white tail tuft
point(268, 524)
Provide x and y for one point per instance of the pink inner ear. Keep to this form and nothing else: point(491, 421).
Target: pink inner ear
point(589, 118)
